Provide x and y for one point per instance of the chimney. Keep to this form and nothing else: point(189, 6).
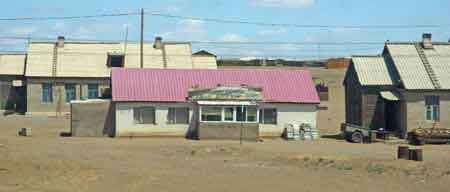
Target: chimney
point(158, 43)
point(60, 43)
point(427, 42)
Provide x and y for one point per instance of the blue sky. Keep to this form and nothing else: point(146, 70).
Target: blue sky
point(316, 12)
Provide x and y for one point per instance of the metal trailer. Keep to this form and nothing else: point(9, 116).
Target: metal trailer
point(355, 133)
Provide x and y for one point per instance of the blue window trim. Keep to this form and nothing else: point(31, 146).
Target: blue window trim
point(92, 91)
point(70, 92)
point(47, 93)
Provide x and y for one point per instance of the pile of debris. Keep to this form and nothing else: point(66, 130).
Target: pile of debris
point(304, 131)
point(422, 136)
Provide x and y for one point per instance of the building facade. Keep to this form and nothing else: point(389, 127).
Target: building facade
point(406, 87)
point(211, 104)
point(59, 72)
point(12, 85)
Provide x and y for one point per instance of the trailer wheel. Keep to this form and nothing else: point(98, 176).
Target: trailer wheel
point(357, 137)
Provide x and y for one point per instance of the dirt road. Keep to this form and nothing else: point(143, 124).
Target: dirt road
point(47, 162)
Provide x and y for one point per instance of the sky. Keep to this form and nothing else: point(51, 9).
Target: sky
point(302, 12)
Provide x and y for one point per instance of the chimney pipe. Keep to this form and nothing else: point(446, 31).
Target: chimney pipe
point(427, 42)
point(158, 43)
point(60, 42)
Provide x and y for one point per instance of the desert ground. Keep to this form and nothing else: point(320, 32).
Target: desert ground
point(46, 161)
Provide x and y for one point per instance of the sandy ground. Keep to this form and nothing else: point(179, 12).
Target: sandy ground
point(47, 162)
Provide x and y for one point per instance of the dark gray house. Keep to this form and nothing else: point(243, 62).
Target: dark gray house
point(406, 87)
point(12, 85)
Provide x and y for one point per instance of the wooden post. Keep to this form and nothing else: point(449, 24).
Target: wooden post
point(142, 38)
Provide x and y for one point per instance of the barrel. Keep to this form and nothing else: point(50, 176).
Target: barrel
point(416, 154)
point(412, 154)
point(403, 152)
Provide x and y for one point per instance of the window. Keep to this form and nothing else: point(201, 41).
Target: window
point(252, 114)
point(210, 113)
point(229, 114)
point(144, 115)
point(47, 93)
point(92, 91)
point(178, 115)
point(70, 92)
point(116, 60)
point(268, 116)
point(432, 104)
point(241, 114)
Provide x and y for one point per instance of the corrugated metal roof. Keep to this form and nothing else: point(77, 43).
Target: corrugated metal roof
point(439, 59)
point(80, 59)
point(409, 66)
point(172, 85)
point(372, 70)
point(12, 64)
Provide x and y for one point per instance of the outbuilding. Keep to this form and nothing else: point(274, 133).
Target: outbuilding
point(211, 104)
point(406, 87)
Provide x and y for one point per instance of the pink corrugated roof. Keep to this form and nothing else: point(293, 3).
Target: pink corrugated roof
point(172, 85)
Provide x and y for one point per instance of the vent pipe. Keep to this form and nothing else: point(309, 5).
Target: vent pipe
point(427, 42)
point(60, 42)
point(158, 43)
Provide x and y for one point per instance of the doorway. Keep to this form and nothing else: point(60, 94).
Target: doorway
point(392, 116)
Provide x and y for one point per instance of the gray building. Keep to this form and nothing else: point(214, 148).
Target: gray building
point(60, 71)
point(406, 87)
point(12, 90)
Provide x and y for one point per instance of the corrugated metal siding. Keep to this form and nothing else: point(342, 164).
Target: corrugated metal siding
point(409, 66)
point(166, 85)
point(12, 64)
point(372, 71)
point(439, 59)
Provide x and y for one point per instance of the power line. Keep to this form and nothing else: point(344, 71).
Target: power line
point(37, 40)
point(228, 21)
point(68, 17)
point(293, 25)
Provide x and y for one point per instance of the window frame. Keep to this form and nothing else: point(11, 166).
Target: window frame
point(432, 108)
point(235, 114)
point(89, 91)
point(49, 98)
point(66, 92)
point(141, 119)
point(202, 109)
point(111, 57)
point(174, 115)
point(263, 111)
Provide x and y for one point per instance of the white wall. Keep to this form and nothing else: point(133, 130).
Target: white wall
point(204, 62)
point(287, 113)
point(125, 125)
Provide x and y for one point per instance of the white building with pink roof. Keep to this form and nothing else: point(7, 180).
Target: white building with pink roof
point(211, 104)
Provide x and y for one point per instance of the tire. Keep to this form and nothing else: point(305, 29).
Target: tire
point(357, 137)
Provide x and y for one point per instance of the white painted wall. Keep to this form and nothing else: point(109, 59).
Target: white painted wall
point(125, 126)
point(204, 62)
point(288, 113)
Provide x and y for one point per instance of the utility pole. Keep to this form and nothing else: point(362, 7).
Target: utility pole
point(142, 38)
